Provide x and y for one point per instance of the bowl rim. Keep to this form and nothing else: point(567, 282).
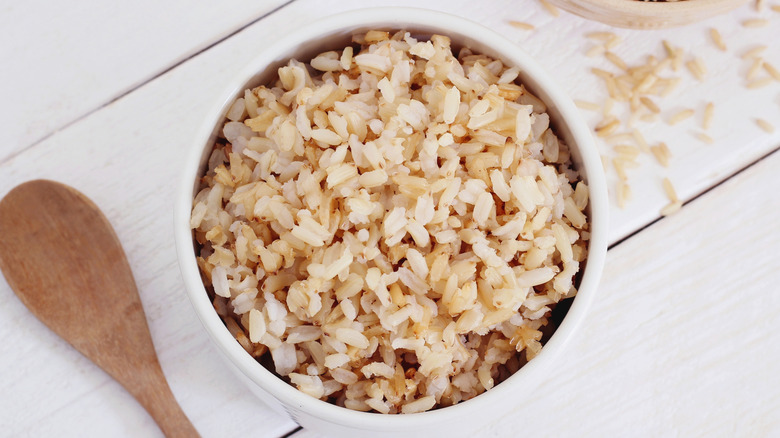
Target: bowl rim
point(647, 15)
point(399, 18)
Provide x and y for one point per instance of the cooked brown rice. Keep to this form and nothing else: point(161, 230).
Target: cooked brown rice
point(389, 226)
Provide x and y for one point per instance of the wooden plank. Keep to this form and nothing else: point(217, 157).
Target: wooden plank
point(684, 336)
point(63, 59)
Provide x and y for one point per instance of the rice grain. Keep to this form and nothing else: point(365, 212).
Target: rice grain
point(709, 113)
point(680, 116)
point(766, 126)
point(755, 22)
point(521, 25)
point(759, 83)
point(718, 39)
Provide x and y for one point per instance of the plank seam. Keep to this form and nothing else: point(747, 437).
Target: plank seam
point(292, 432)
point(700, 194)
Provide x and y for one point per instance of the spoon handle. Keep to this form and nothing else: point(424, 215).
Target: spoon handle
point(153, 393)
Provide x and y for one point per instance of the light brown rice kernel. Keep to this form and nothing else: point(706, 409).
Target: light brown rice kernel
point(759, 83)
point(755, 22)
point(607, 127)
point(697, 68)
point(680, 116)
point(587, 105)
point(774, 72)
point(600, 36)
point(705, 138)
point(669, 189)
point(661, 153)
point(766, 126)
point(613, 42)
point(595, 51)
point(623, 194)
point(649, 104)
point(554, 11)
point(717, 39)
point(671, 85)
point(754, 52)
point(671, 208)
point(352, 218)
point(709, 114)
point(521, 25)
point(616, 60)
point(754, 69)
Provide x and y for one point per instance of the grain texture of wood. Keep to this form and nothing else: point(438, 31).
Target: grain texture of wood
point(636, 14)
point(63, 260)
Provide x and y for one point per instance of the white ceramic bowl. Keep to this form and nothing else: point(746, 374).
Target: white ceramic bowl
point(461, 419)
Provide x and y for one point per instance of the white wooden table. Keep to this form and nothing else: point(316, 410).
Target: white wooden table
point(683, 337)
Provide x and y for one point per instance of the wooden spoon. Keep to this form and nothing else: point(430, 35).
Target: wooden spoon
point(62, 258)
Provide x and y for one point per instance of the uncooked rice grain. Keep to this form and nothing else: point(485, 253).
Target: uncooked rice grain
point(705, 138)
point(613, 42)
point(661, 153)
point(521, 25)
point(671, 193)
point(752, 73)
point(755, 22)
point(774, 72)
point(680, 116)
point(389, 227)
point(766, 126)
point(709, 114)
point(760, 83)
point(718, 39)
point(671, 208)
point(595, 51)
point(616, 60)
point(554, 11)
point(600, 36)
point(582, 104)
point(754, 52)
point(697, 68)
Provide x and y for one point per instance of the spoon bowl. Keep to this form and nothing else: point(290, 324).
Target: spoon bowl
point(63, 260)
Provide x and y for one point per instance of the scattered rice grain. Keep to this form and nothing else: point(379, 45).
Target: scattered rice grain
point(709, 114)
point(671, 193)
point(705, 138)
point(671, 208)
point(521, 25)
point(755, 22)
point(550, 8)
point(718, 39)
point(774, 72)
point(587, 105)
point(680, 116)
point(766, 126)
point(759, 83)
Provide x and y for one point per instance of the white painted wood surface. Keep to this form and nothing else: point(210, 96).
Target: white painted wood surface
point(64, 59)
point(677, 342)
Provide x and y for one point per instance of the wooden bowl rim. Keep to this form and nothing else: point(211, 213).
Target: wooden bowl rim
point(644, 7)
